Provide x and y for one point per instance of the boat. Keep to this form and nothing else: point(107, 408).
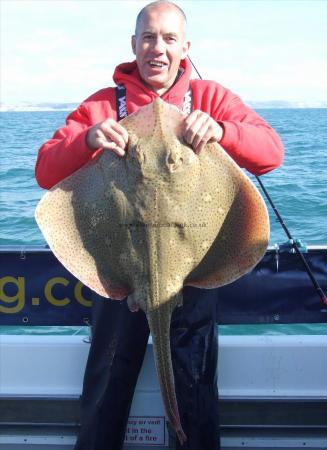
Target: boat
point(272, 387)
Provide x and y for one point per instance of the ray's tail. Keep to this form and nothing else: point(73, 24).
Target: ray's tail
point(159, 323)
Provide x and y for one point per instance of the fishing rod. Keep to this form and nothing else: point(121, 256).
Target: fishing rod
point(315, 283)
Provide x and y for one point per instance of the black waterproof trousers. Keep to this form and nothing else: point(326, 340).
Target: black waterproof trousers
point(119, 340)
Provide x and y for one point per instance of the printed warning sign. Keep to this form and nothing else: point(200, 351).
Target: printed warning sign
point(146, 431)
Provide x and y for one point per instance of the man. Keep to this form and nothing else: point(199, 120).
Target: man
point(119, 336)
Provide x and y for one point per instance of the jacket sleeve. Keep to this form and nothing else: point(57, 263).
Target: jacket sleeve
point(248, 138)
point(66, 152)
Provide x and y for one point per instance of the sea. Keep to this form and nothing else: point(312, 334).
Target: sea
point(298, 188)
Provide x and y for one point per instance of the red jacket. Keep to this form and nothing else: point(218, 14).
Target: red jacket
point(247, 138)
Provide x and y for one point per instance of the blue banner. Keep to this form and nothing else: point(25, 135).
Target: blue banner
point(35, 289)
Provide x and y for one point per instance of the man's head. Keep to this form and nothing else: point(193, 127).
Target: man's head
point(159, 44)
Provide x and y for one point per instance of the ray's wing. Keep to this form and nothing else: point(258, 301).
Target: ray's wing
point(242, 236)
point(80, 217)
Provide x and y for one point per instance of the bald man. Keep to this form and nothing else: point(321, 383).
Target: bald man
point(212, 114)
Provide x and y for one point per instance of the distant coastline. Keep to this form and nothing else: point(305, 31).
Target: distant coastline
point(282, 104)
point(51, 106)
point(29, 107)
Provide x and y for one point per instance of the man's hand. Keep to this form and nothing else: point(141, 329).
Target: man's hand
point(108, 134)
point(200, 128)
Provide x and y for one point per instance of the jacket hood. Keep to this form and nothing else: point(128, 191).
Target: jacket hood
point(128, 75)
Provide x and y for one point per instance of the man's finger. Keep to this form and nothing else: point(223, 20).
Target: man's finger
point(109, 145)
point(112, 135)
point(121, 131)
point(191, 120)
point(195, 129)
point(202, 136)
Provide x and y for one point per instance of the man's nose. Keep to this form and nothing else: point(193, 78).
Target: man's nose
point(158, 45)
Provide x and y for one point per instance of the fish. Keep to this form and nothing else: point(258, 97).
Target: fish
point(162, 217)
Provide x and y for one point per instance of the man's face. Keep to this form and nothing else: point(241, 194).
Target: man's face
point(159, 46)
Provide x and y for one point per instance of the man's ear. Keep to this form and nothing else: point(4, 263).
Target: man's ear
point(133, 42)
point(186, 47)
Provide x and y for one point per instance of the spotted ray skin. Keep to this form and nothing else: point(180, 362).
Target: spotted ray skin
point(158, 219)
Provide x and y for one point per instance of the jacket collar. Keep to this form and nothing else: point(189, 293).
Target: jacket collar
point(128, 75)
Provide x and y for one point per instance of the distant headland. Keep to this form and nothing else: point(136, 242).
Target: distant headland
point(260, 104)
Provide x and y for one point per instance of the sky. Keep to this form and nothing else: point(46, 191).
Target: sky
point(64, 50)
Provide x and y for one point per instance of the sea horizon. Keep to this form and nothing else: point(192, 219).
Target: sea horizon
point(26, 106)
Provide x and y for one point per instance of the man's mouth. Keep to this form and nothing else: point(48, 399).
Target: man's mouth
point(157, 64)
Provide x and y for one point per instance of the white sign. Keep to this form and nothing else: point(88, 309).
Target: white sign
point(149, 431)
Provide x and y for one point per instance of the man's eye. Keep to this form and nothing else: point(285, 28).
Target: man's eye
point(171, 38)
point(148, 36)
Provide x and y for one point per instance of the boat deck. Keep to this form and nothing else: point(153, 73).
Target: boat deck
point(273, 393)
